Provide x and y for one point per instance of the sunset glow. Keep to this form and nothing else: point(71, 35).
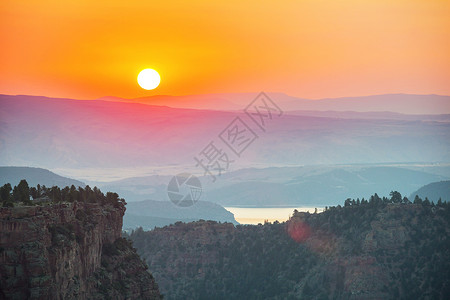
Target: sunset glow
point(314, 49)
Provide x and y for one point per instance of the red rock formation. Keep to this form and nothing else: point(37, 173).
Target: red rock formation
point(58, 252)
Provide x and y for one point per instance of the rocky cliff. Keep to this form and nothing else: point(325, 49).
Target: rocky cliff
point(69, 251)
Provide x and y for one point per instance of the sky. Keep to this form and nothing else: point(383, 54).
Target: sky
point(306, 48)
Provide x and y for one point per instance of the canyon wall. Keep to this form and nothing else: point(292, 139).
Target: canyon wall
point(70, 251)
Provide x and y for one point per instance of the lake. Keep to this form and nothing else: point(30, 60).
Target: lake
point(249, 215)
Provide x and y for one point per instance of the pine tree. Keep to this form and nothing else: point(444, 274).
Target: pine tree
point(417, 200)
point(5, 192)
point(21, 192)
point(396, 197)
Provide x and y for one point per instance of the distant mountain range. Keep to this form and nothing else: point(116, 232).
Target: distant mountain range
point(65, 133)
point(146, 214)
point(291, 186)
point(266, 187)
point(370, 115)
point(35, 176)
point(314, 186)
point(399, 103)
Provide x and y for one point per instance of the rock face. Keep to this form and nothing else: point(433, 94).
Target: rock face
point(69, 251)
point(182, 250)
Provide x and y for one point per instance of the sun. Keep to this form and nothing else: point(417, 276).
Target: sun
point(148, 79)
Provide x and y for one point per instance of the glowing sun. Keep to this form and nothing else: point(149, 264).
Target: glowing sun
point(148, 79)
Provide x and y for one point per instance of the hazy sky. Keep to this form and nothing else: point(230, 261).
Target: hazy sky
point(309, 48)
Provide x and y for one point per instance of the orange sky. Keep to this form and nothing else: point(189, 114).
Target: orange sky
point(310, 48)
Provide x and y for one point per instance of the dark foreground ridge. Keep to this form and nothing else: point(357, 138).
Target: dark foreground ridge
point(69, 250)
point(377, 249)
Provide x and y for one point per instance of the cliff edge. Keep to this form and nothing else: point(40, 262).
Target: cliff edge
point(70, 251)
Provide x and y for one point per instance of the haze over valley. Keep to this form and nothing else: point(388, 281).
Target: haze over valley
point(208, 150)
point(69, 135)
point(307, 157)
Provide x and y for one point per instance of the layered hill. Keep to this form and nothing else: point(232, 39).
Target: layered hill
point(434, 191)
point(67, 133)
point(146, 214)
point(397, 103)
point(35, 176)
point(149, 214)
point(290, 186)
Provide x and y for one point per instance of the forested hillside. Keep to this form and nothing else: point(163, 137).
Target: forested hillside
point(381, 248)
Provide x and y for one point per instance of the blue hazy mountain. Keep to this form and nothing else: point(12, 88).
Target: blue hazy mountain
point(434, 191)
point(149, 214)
point(291, 186)
point(35, 176)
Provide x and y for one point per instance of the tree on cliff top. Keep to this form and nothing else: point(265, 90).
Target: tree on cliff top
point(21, 193)
point(5, 195)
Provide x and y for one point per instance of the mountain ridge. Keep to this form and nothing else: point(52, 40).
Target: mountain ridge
point(435, 191)
point(35, 176)
point(405, 103)
point(82, 134)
